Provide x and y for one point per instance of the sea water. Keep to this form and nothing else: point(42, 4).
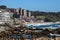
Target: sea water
point(51, 26)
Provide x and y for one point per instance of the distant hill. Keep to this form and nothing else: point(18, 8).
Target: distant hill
point(50, 16)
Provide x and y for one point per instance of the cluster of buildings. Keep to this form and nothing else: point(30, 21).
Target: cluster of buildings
point(21, 12)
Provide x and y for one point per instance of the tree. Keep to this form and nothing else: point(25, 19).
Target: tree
point(3, 7)
point(47, 20)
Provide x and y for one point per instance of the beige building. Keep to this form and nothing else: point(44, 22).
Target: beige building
point(24, 13)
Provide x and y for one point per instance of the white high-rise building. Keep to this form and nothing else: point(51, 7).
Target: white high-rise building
point(29, 14)
point(25, 13)
point(21, 12)
point(17, 10)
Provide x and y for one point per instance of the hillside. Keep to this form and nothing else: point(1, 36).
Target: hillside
point(49, 16)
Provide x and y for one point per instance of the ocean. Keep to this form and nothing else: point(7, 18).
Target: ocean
point(51, 26)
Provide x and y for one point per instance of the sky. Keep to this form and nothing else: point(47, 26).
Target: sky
point(33, 5)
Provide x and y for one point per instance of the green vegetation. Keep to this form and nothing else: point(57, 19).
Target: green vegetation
point(40, 17)
point(47, 16)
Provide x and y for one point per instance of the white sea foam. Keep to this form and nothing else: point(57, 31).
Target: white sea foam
point(42, 25)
